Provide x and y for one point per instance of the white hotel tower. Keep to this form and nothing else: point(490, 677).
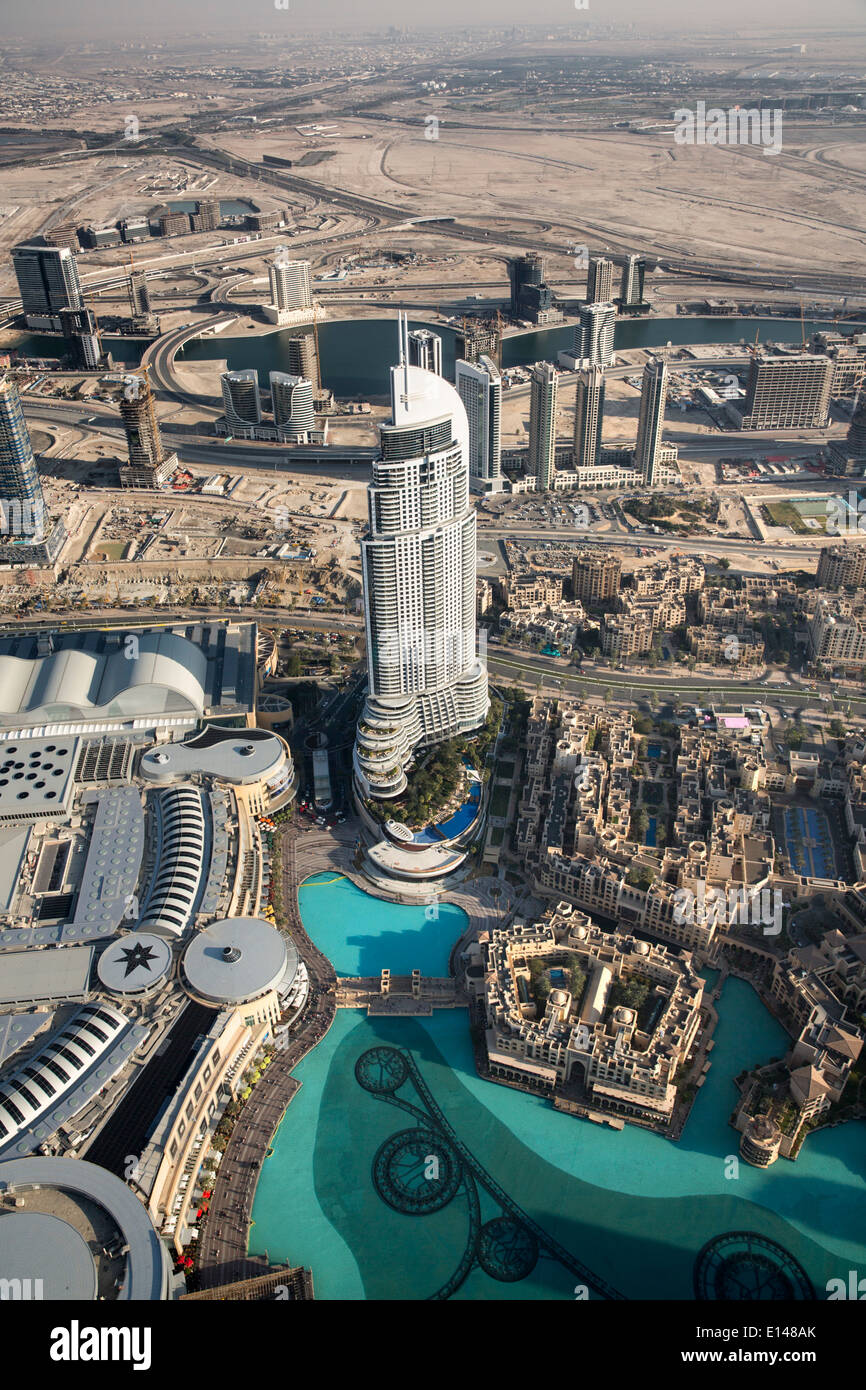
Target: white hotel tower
point(426, 681)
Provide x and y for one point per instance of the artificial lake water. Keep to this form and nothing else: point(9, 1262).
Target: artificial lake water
point(528, 1203)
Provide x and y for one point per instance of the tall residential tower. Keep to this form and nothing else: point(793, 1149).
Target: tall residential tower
point(542, 425)
point(631, 286)
point(653, 393)
point(292, 404)
point(242, 398)
point(25, 536)
point(479, 386)
point(588, 414)
point(291, 289)
point(149, 466)
point(599, 281)
point(48, 280)
point(425, 350)
point(593, 337)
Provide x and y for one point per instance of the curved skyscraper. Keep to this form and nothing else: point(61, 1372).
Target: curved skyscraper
point(426, 681)
point(241, 398)
point(292, 403)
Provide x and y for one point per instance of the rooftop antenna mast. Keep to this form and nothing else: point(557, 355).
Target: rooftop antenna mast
point(403, 331)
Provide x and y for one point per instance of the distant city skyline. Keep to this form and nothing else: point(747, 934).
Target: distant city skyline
point(113, 17)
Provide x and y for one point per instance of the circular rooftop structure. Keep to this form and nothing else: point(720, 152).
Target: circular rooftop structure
point(237, 960)
point(49, 1253)
point(135, 964)
point(52, 1207)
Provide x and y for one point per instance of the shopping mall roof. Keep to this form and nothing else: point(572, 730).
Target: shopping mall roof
point(234, 755)
point(45, 977)
point(146, 1266)
point(237, 960)
point(136, 963)
point(38, 1247)
point(18, 1029)
point(36, 774)
point(90, 678)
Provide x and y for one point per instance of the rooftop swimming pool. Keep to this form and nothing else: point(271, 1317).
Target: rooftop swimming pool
point(528, 1203)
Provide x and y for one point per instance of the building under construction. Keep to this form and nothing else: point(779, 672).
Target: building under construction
point(302, 359)
point(479, 338)
point(149, 465)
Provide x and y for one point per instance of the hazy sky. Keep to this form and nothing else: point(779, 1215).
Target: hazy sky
point(90, 17)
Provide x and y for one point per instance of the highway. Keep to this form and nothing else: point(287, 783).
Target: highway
point(509, 663)
point(216, 454)
point(699, 545)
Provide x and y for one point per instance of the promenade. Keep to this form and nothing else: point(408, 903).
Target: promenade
point(222, 1252)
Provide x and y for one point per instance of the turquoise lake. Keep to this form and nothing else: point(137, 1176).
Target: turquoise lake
point(362, 935)
point(344, 1191)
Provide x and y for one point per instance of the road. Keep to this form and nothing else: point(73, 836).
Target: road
point(193, 448)
point(512, 665)
point(507, 665)
point(165, 617)
point(271, 457)
point(700, 545)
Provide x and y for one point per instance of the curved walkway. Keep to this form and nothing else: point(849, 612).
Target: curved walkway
point(222, 1252)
